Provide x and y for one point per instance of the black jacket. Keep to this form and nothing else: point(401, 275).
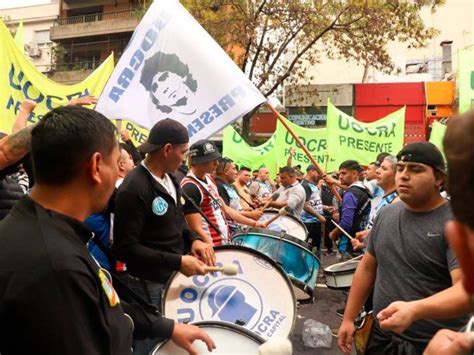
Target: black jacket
point(53, 297)
point(149, 227)
point(10, 193)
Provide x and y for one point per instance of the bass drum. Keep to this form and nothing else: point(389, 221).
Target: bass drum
point(259, 298)
point(229, 339)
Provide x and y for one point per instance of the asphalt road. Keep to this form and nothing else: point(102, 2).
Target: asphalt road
point(323, 310)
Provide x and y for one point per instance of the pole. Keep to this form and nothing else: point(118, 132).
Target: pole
point(302, 146)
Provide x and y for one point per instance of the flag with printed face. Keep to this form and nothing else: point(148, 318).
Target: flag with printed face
point(172, 68)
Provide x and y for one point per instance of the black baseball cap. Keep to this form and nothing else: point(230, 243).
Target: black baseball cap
point(423, 152)
point(164, 132)
point(311, 167)
point(203, 151)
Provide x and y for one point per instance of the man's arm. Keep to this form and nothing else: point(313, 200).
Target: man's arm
point(278, 204)
point(239, 218)
point(136, 156)
point(362, 285)
point(307, 208)
point(289, 161)
point(21, 120)
point(194, 221)
point(15, 146)
point(449, 303)
point(193, 197)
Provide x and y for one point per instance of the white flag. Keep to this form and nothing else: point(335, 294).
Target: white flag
point(172, 68)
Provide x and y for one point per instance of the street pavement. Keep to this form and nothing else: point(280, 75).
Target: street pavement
point(323, 310)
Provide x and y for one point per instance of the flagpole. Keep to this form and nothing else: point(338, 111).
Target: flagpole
point(302, 146)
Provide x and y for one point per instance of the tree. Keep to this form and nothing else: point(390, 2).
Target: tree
point(273, 41)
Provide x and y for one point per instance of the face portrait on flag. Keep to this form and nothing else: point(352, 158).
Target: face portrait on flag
point(172, 68)
point(170, 84)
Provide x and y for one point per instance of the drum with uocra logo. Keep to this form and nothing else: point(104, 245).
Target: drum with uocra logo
point(229, 339)
point(259, 298)
point(287, 223)
point(292, 254)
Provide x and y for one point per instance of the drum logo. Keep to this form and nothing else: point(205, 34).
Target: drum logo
point(229, 299)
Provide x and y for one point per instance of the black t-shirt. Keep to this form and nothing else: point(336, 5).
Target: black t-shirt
point(222, 190)
point(54, 299)
point(193, 193)
point(150, 232)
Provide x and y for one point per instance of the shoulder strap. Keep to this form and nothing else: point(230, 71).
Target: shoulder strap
point(187, 197)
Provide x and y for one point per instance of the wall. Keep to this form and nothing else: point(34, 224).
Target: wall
point(35, 18)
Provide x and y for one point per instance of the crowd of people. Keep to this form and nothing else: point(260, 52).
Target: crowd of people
point(79, 210)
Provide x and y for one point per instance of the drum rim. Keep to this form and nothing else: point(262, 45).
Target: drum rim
point(288, 215)
point(342, 272)
point(251, 251)
point(291, 217)
point(303, 287)
point(276, 235)
point(221, 325)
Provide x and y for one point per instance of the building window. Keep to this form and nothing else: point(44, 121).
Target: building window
point(42, 37)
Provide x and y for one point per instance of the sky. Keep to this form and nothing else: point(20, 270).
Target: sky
point(8, 4)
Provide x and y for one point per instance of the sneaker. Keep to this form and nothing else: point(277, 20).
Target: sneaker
point(328, 252)
point(339, 256)
point(340, 312)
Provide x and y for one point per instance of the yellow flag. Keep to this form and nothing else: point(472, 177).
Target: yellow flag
point(20, 37)
point(20, 80)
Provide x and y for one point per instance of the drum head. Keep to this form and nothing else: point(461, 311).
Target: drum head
point(259, 297)
point(288, 223)
point(229, 339)
point(343, 268)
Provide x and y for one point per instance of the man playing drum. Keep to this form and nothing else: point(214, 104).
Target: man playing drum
point(291, 194)
point(204, 210)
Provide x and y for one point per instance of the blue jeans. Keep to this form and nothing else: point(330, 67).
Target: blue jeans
point(152, 294)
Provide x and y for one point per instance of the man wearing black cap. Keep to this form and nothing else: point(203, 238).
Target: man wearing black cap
point(150, 233)
point(204, 209)
point(408, 263)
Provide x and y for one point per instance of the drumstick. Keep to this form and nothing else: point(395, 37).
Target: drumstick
point(281, 212)
point(342, 230)
point(273, 198)
point(229, 269)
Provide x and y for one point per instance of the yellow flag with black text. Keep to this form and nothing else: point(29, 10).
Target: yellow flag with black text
point(20, 80)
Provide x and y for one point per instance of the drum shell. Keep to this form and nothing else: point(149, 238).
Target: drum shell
point(293, 255)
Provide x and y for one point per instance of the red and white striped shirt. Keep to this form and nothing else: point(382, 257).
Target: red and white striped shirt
point(210, 207)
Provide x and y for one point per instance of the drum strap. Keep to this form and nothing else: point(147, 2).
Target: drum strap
point(243, 198)
point(195, 205)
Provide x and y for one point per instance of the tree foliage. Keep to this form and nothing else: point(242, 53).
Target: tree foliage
point(274, 41)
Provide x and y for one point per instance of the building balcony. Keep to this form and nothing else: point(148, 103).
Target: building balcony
point(94, 25)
